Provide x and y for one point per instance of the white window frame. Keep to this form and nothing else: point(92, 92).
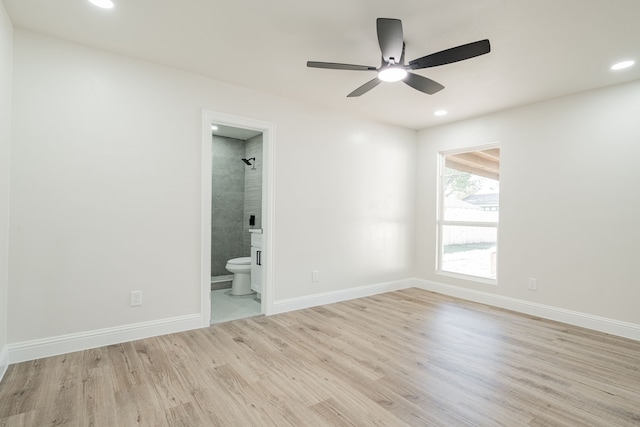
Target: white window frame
point(441, 222)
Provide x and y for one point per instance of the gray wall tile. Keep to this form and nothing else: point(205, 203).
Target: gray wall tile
point(236, 194)
point(252, 188)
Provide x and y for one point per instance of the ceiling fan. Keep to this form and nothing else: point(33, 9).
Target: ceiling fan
point(393, 69)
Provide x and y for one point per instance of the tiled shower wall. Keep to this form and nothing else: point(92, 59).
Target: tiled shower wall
point(252, 189)
point(236, 194)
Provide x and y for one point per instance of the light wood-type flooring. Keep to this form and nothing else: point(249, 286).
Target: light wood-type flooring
point(410, 357)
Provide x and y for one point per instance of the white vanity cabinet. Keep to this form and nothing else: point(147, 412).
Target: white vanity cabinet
point(256, 262)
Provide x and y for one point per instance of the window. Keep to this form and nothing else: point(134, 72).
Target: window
point(468, 213)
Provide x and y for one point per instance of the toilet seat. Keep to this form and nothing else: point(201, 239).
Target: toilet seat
point(246, 260)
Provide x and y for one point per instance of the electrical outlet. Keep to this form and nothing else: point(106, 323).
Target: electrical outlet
point(315, 275)
point(533, 284)
point(136, 298)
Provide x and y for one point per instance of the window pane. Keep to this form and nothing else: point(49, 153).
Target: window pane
point(469, 250)
point(470, 197)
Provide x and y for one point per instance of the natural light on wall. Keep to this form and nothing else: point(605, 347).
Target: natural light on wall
point(469, 211)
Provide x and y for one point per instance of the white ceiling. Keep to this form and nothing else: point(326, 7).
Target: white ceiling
point(234, 132)
point(540, 49)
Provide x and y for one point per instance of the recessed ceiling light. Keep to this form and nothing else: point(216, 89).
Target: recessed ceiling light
point(440, 113)
point(105, 4)
point(622, 65)
point(214, 127)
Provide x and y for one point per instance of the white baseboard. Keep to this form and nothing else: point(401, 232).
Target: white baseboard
point(36, 349)
point(218, 279)
point(307, 301)
point(4, 361)
point(597, 323)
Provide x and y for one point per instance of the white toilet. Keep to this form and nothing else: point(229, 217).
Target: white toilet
point(241, 269)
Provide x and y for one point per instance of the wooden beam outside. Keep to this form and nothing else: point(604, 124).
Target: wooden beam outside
point(471, 169)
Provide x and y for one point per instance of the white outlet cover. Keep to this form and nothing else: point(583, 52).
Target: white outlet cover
point(136, 298)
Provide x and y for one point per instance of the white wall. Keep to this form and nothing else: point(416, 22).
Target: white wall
point(569, 202)
point(106, 191)
point(6, 67)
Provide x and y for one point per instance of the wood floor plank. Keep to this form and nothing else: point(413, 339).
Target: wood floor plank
point(409, 357)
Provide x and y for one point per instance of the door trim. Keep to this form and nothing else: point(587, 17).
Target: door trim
point(268, 206)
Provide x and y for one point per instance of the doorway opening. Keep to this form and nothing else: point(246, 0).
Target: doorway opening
point(236, 218)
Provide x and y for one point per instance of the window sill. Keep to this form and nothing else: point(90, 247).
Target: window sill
point(477, 279)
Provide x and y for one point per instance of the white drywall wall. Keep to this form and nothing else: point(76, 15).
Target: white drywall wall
point(106, 191)
point(569, 202)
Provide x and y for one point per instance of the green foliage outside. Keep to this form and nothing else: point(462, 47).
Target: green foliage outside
point(452, 249)
point(460, 184)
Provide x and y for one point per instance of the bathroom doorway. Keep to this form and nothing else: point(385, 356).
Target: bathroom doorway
point(236, 218)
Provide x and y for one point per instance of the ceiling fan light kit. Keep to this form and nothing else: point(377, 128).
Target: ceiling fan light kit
point(393, 68)
point(392, 74)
